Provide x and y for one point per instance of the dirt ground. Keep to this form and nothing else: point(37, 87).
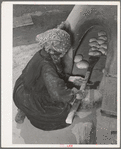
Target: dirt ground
point(24, 47)
point(50, 18)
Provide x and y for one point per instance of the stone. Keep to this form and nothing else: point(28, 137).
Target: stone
point(84, 133)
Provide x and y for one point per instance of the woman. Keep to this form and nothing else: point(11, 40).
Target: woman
point(40, 93)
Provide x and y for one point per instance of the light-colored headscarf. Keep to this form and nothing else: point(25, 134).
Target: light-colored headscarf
point(57, 39)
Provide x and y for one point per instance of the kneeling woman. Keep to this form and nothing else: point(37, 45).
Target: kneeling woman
point(40, 93)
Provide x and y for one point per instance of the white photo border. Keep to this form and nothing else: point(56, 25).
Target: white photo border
point(6, 71)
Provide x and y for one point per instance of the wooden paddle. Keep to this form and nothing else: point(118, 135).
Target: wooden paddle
point(92, 61)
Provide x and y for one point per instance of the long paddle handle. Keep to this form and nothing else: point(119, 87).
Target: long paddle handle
point(76, 104)
point(92, 60)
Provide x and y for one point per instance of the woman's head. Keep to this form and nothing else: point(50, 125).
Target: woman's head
point(55, 41)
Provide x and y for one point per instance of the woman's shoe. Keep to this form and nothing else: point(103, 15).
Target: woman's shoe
point(20, 116)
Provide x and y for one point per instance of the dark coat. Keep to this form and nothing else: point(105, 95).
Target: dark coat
point(41, 93)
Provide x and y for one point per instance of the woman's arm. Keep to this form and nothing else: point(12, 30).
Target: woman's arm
point(56, 87)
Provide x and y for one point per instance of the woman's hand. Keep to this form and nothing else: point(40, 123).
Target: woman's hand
point(80, 95)
point(64, 25)
point(74, 90)
point(61, 26)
